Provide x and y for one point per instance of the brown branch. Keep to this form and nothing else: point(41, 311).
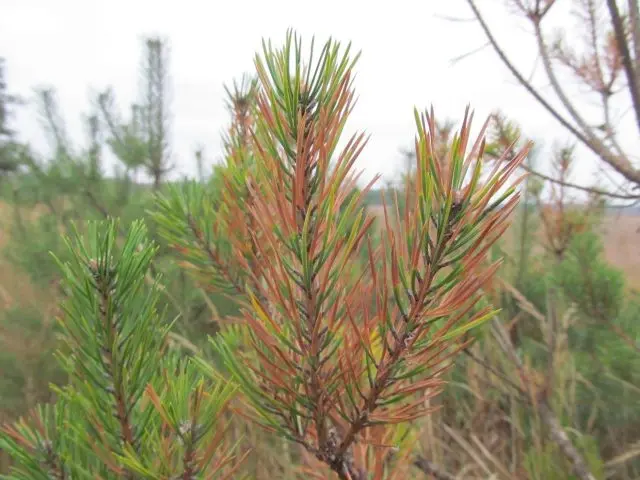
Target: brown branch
point(610, 131)
point(620, 163)
point(596, 147)
point(593, 37)
point(516, 73)
point(562, 440)
point(603, 87)
point(597, 191)
point(634, 26)
point(633, 76)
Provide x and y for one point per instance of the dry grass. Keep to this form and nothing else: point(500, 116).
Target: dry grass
point(621, 234)
point(15, 286)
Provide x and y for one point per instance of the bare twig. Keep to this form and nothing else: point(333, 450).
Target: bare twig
point(633, 76)
point(469, 53)
point(432, 469)
point(584, 133)
point(587, 136)
point(597, 191)
point(562, 440)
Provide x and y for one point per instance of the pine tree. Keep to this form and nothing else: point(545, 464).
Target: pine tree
point(143, 142)
point(133, 408)
point(9, 150)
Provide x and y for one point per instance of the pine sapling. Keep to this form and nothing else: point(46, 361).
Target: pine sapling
point(134, 408)
point(337, 359)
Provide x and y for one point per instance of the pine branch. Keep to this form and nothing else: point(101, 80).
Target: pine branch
point(335, 354)
point(36, 441)
point(133, 409)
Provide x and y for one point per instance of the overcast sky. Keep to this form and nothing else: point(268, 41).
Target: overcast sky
point(80, 46)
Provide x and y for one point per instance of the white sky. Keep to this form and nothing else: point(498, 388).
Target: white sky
point(80, 46)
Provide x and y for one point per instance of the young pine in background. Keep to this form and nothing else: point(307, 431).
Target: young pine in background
point(133, 408)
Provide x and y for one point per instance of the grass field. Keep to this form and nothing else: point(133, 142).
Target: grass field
point(15, 286)
point(621, 233)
